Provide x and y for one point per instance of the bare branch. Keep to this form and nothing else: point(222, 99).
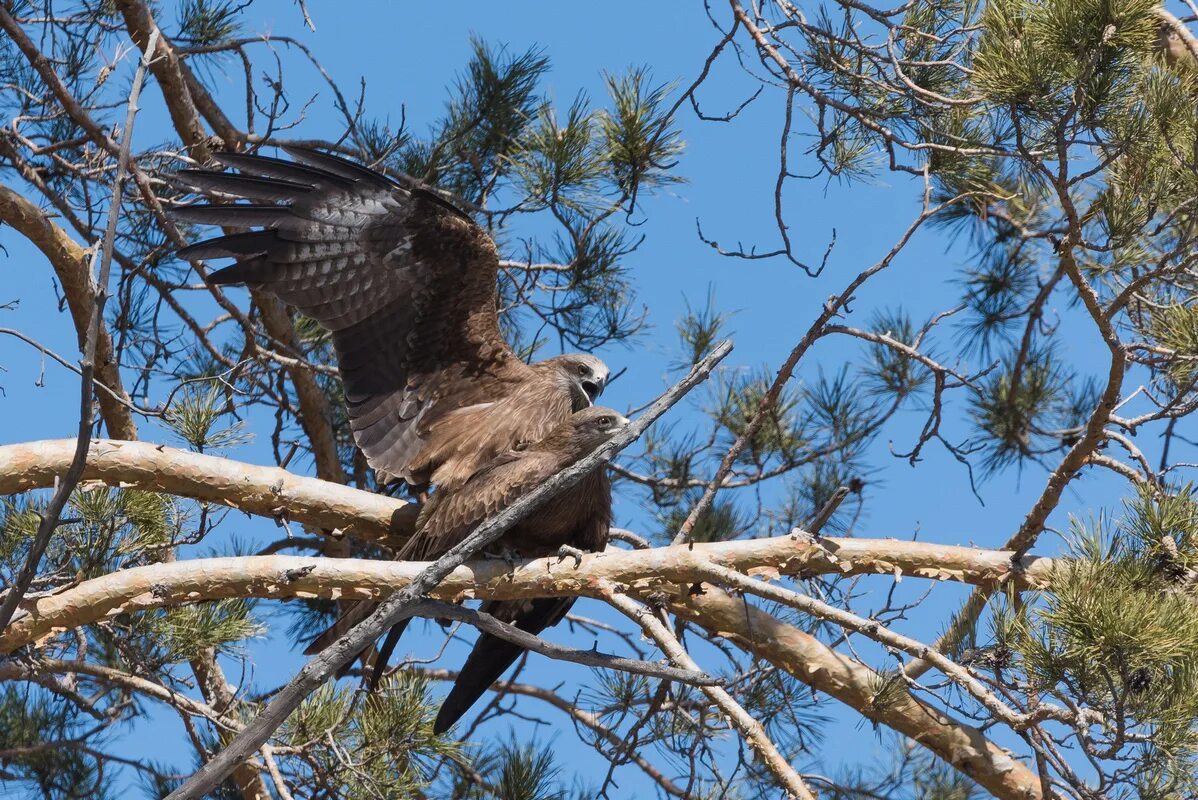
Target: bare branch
point(671, 569)
point(102, 256)
point(264, 491)
point(399, 606)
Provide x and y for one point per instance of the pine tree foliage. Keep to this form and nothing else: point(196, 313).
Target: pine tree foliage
point(1119, 635)
point(1053, 143)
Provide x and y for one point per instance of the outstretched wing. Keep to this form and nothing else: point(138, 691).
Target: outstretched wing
point(405, 282)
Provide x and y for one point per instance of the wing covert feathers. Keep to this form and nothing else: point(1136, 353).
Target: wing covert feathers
point(405, 281)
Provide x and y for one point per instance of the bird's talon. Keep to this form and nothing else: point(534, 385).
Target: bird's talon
point(566, 551)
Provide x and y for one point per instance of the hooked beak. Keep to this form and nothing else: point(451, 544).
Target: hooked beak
point(592, 389)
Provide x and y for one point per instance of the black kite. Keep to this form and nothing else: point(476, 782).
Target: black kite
point(406, 283)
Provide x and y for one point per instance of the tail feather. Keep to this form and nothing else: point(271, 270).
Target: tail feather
point(492, 656)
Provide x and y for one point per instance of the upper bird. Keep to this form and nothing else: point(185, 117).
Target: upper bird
point(406, 283)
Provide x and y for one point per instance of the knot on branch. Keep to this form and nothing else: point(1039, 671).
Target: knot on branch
point(294, 574)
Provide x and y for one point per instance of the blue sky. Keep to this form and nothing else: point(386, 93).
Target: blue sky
point(407, 54)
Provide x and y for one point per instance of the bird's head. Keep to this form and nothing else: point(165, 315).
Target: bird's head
point(586, 372)
point(593, 426)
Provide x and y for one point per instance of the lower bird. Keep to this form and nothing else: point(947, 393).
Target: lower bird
point(578, 518)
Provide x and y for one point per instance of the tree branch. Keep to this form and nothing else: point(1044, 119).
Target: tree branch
point(744, 722)
point(590, 658)
point(591, 721)
point(70, 263)
point(264, 491)
point(98, 294)
point(400, 606)
point(669, 569)
point(822, 668)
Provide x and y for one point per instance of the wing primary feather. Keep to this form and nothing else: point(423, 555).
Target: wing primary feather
point(268, 167)
point(251, 187)
point(255, 272)
point(235, 245)
point(352, 171)
point(326, 162)
point(247, 214)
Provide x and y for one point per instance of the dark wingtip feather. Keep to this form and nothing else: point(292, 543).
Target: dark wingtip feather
point(354, 171)
point(236, 245)
point(338, 166)
point(266, 166)
point(249, 272)
point(229, 214)
point(250, 187)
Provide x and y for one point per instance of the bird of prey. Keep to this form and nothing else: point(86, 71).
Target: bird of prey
point(406, 283)
point(578, 518)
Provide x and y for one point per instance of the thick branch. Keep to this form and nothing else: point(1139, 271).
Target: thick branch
point(166, 67)
point(71, 264)
point(818, 666)
point(1175, 40)
point(667, 569)
point(264, 491)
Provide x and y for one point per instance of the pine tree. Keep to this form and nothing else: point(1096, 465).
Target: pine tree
point(1052, 144)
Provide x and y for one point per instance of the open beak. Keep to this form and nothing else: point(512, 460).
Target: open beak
point(593, 389)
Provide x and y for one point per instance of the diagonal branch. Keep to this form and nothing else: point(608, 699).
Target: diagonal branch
point(400, 605)
point(591, 721)
point(822, 668)
point(746, 725)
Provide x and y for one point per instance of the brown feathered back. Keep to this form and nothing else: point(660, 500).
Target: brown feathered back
point(579, 517)
point(406, 283)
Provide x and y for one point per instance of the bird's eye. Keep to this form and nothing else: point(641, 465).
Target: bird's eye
point(582, 369)
point(605, 421)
